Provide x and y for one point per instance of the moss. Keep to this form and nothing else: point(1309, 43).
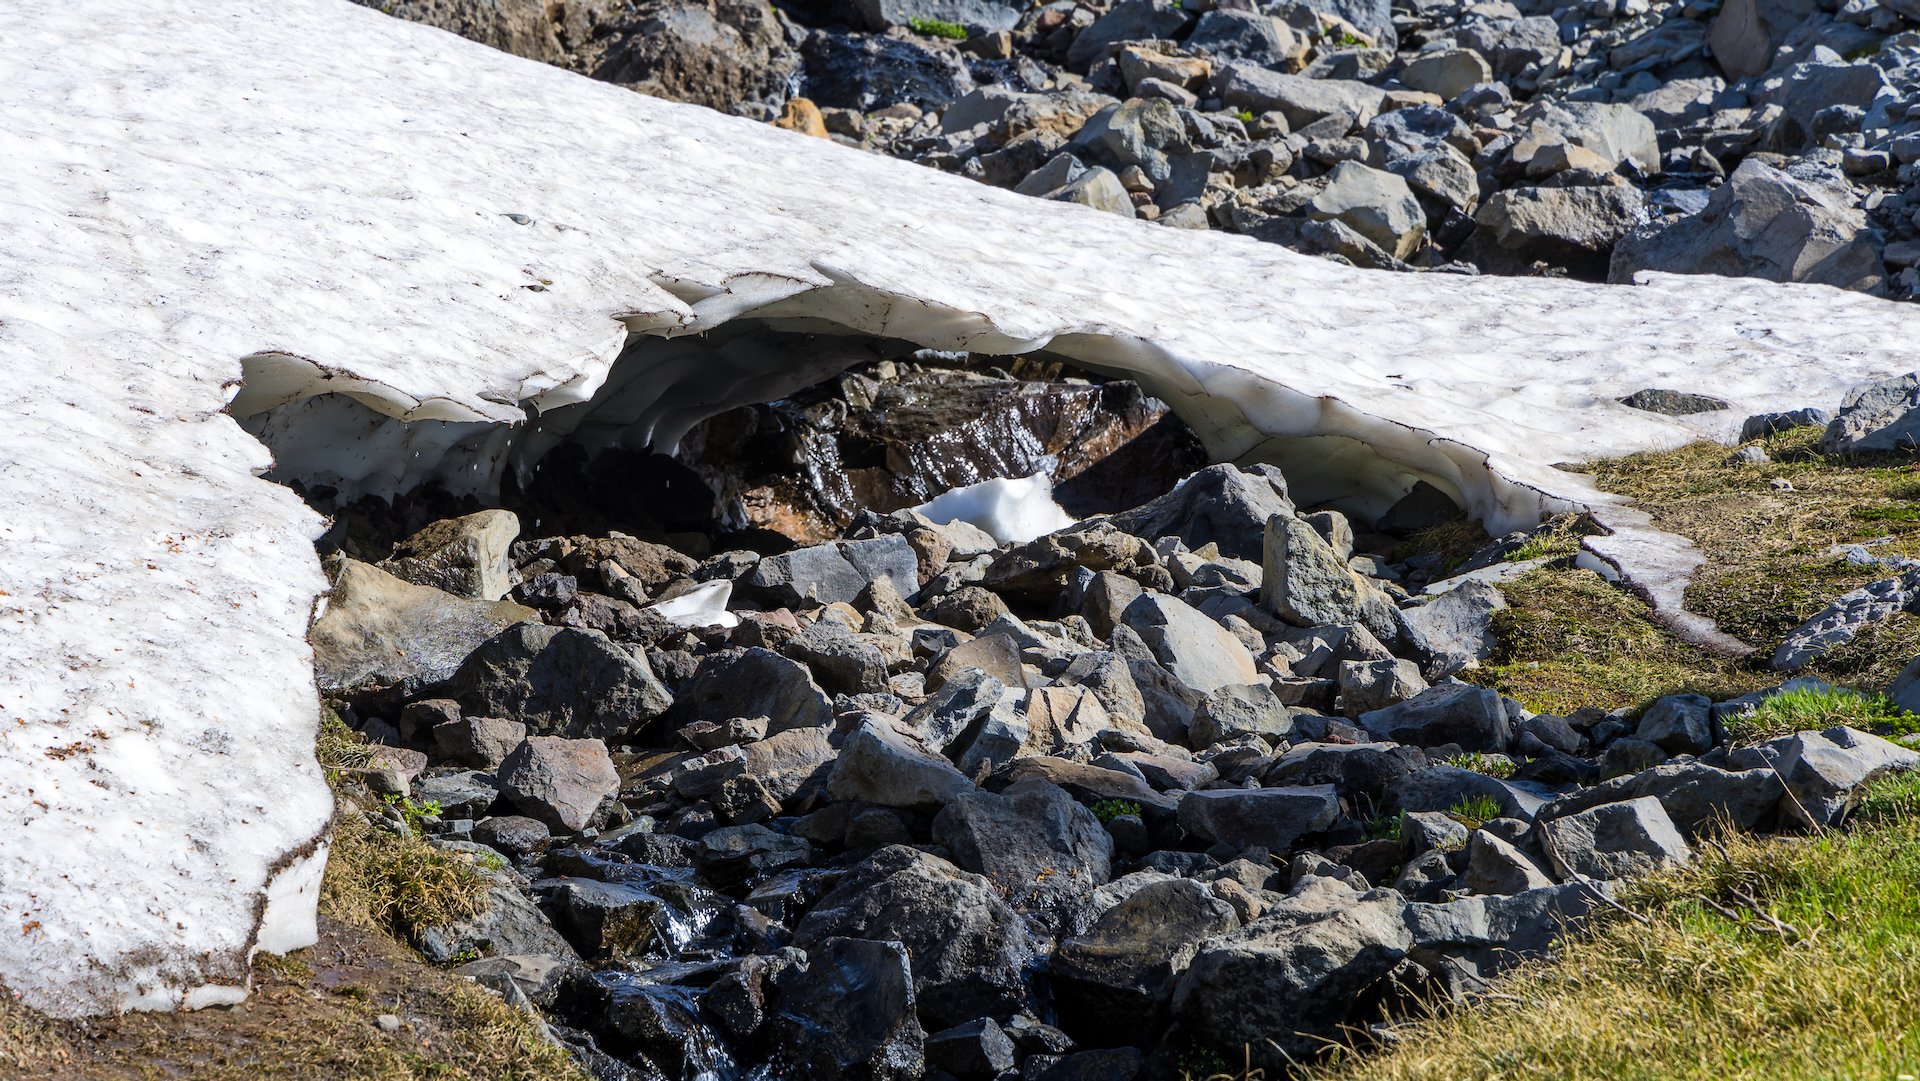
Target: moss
point(935, 28)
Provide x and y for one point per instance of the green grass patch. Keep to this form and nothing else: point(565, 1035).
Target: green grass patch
point(1109, 809)
point(1788, 957)
point(1800, 709)
point(1490, 764)
point(1474, 811)
point(936, 28)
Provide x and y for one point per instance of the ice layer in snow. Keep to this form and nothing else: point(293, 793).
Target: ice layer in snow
point(386, 245)
point(1009, 510)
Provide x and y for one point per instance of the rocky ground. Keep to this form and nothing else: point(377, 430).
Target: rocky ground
point(1762, 138)
point(1200, 781)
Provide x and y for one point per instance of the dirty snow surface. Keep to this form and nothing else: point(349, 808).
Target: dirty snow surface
point(335, 202)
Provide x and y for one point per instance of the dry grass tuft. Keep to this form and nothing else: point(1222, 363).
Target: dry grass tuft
point(1769, 958)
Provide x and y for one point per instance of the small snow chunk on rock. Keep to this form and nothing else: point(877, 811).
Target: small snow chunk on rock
point(1011, 511)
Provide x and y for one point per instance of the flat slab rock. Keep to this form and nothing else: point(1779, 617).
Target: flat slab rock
point(451, 234)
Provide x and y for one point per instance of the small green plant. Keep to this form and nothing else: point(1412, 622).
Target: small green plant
point(414, 814)
point(338, 747)
point(1385, 827)
point(1347, 39)
point(1896, 513)
point(466, 956)
point(1800, 709)
point(1474, 811)
point(936, 28)
point(1491, 765)
point(1245, 115)
point(1109, 809)
point(489, 863)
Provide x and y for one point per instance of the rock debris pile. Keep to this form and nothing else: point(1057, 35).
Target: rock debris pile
point(1189, 778)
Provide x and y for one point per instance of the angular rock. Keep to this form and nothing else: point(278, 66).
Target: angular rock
point(1037, 845)
point(559, 781)
point(1198, 652)
point(849, 1013)
point(1366, 686)
point(1497, 867)
point(969, 950)
point(791, 762)
point(1825, 772)
point(1306, 583)
point(753, 683)
point(1474, 718)
point(1843, 620)
point(481, 742)
point(1446, 72)
point(560, 681)
point(1575, 228)
point(1300, 99)
point(1876, 417)
point(1235, 711)
point(1680, 724)
point(1377, 205)
point(1126, 966)
point(381, 635)
point(1614, 840)
point(1484, 936)
point(832, 573)
point(1222, 505)
point(1270, 818)
point(466, 556)
point(1130, 20)
point(975, 1051)
point(879, 765)
point(1452, 631)
point(1354, 769)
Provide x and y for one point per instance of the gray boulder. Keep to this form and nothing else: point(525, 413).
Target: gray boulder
point(1614, 840)
point(849, 1013)
point(1843, 620)
point(561, 782)
point(1130, 20)
point(1369, 685)
point(1575, 228)
point(1223, 505)
point(1378, 205)
point(1453, 630)
point(1354, 769)
point(467, 556)
point(879, 765)
point(1762, 223)
point(1825, 772)
point(978, 16)
point(975, 1051)
point(969, 949)
point(560, 681)
point(1812, 87)
point(1881, 416)
point(510, 924)
point(1474, 718)
point(1198, 652)
point(1694, 794)
point(1446, 72)
point(1480, 937)
point(1291, 977)
point(1495, 866)
point(1300, 99)
point(1234, 711)
point(381, 635)
point(1127, 964)
point(1305, 582)
point(1256, 38)
point(830, 573)
point(1680, 724)
point(1444, 787)
point(1138, 132)
point(1270, 818)
point(1039, 847)
point(752, 683)
point(1761, 425)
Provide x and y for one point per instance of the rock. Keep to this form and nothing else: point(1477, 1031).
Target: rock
point(1271, 818)
point(1811, 88)
point(1746, 33)
point(840, 661)
point(1290, 979)
point(1127, 964)
point(956, 711)
point(735, 854)
point(1629, 755)
point(1442, 787)
point(1300, 99)
point(510, 924)
point(969, 950)
point(1093, 784)
point(968, 608)
point(1484, 936)
point(1452, 631)
point(607, 919)
point(532, 978)
point(383, 636)
point(1041, 568)
point(481, 742)
point(714, 53)
point(753, 683)
point(1227, 34)
point(1235, 711)
point(1446, 72)
point(1222, 505)
point(978, 16)
point(879, 765)
point(1614, 840)
point(1354, 769)
point(1694, 794)
point(872, 71)
point(1129, 20)
point(1064, 721)
point(1306, 583)
point(1876, 417)
point(791, 762)
point(465, 556)
point(1843, 620)
point(514, 835)
point(832, 573)
point(1200, 653)
point(1616, 134)
point(1575, 228)
point(1369, 685)
point(559, 781)
point(1098, 188)
point(560, 681)
point(1110, 1064)
point(1496, 867)
point(1672, 403)
point(1473, 718)
point(465, 794)
point(1378, 205)
point(1825, 772)
point(1134, 133)
point(975, 1051)
point(1037, 846)
point(1764, 224)
point(1680, 724)
point(1106, 675)
point(1761, 425)
point(849, 1013)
